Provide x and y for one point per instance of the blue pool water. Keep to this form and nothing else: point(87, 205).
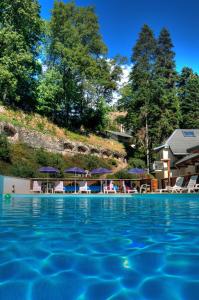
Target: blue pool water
point(97, 248)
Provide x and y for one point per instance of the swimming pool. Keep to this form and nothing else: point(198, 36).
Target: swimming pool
point(97, 248)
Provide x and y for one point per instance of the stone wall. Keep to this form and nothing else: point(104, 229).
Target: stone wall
point(52, 144)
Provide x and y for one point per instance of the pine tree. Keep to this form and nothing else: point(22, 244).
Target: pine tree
point(188, 91)
point(166, 108)
point(141, 76)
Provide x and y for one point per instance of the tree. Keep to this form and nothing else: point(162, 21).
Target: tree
point(152, 102)
point(77, 53)
point(188, 91)
point(20, 31)
point(166, 108)
point(141, 76)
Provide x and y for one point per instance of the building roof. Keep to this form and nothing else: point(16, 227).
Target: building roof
point(189, 159)
point(181, 140)
point(118, 133)
point(193, 149)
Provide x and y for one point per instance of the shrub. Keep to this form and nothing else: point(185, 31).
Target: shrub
point(113, 162)
point(23, 169)
point(4, 148)
point(42, 157)
point(136, 163)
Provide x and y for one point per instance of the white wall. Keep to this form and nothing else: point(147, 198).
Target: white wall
point(16, 185)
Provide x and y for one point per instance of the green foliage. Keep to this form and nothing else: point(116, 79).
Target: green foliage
point(188, 84)
point(23, 169)
point(49, 91)
point(4, 148)
point(150, 97)
point(138, 95)
point(166, 109)
point(25, 162)
point(97, 119)
point(137, 163)
point(79, 80)
point(19, 37)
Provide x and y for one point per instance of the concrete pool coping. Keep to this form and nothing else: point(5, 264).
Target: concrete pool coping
point(148, 195)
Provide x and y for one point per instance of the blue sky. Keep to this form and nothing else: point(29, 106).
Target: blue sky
point(121, 20)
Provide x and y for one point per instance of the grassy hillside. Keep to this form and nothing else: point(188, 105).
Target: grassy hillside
point(43, 125)
point(23, 161)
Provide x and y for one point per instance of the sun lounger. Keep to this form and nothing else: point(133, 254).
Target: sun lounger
point(110, 188)
point(36, 187)
point(95, 188)
point(70, 189)
point(128, 189)
point(173, 189)
point(59, 187)
point(192, 186)
point(144, 188)
point(83, 187)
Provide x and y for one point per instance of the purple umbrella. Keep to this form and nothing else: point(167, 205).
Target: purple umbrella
point(136, 171)
point(101, 171)
point(75, 170)
point(48, 170)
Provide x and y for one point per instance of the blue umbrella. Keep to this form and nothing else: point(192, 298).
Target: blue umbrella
point(48, 170)
point(136, 171)
point(101, 171)
point(75, 170)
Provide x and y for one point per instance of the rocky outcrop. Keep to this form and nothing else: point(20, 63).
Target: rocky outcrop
point(52, 144)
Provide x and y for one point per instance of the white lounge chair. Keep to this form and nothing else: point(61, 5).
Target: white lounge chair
point(36, 187)
point(59, 187)
point(127, 189)
point(144, 188)
point(173, 189)
point(110, 188)
point(83, 187)
point(192, 186)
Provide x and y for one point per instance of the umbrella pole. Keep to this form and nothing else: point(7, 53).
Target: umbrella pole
point(47, 184)
point(75, 184)
point(101, 185)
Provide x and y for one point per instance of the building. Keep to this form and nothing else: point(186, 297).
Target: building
point(191, 160)
point(120, 136)
point(179, 154)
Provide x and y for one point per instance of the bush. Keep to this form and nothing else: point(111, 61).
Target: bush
point(25, 161)
point(4, 148)
point(113, 162)
point(42, 158)
point(137, 163)
point(23, 169)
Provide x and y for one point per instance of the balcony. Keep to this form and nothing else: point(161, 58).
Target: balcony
point(157, 166)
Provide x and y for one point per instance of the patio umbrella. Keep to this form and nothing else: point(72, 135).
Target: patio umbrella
point(100, 171)
point(75, 170)
point(48, 170)
point(136, 171)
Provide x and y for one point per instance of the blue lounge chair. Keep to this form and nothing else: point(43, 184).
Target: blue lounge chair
point(71, 189)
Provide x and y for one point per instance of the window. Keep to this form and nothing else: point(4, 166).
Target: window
point(188, 133)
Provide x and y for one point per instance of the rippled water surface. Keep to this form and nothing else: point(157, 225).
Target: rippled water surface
point(95, 248)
